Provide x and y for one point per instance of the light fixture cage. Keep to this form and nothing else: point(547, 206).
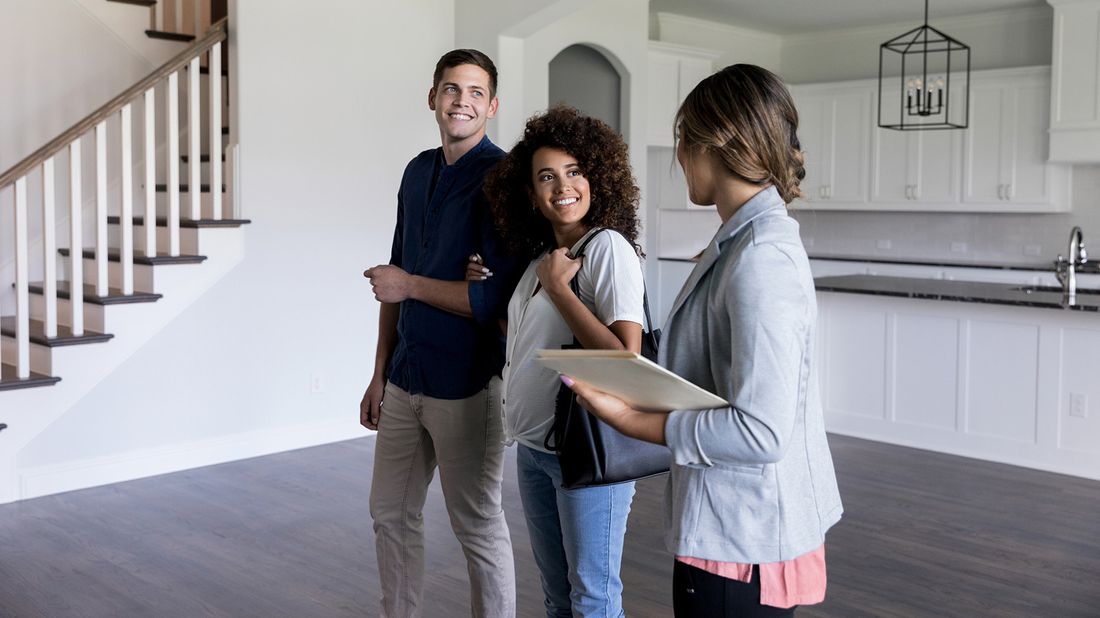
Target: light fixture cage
point(923, 81)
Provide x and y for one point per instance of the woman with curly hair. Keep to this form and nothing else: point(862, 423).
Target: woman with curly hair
point(567, 184)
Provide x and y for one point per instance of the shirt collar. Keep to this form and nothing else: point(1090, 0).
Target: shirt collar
point(471, 155)
point(765, 201)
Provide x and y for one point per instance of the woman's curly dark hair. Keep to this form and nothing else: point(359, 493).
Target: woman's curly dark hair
point(604, 160)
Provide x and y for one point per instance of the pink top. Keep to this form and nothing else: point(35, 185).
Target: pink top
point(798, 581)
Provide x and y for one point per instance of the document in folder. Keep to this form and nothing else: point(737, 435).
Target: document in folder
point(643, 384)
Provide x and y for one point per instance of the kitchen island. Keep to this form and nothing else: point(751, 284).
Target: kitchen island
point(998, 371)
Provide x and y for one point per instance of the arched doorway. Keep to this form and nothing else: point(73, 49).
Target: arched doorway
point(584, 78)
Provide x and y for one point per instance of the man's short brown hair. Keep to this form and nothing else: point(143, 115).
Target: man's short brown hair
point(459, 57)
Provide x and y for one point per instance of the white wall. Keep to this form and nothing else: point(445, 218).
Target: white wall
point(331, 106)
point(736, 44)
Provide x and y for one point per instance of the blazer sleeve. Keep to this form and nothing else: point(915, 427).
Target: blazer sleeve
point(762, 317)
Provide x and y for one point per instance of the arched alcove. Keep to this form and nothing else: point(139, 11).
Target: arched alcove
point(583, 77)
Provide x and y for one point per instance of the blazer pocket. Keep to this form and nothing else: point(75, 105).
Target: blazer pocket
point(739, 505)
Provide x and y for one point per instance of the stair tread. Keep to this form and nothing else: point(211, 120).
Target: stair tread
point(114, 295)
point(186, 223)
point(170, 36)
point(8, 381)
point(64, 336)
point(114, 255)
point(184, 188)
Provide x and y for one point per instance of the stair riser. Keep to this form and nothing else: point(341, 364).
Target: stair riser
point(206, 202)
point(204, 172)
point(189, 239)
point(94, 315)
point(143, 275)
point(41, 358)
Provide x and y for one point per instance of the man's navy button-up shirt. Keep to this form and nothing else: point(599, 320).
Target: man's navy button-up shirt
point(442, 218)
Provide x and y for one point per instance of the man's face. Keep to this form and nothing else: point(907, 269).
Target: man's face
point(462, 102)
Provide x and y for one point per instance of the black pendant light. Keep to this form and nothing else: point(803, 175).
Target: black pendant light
point(923, 81)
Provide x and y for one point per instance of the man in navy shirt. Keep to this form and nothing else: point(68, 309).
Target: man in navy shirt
point(434, 396)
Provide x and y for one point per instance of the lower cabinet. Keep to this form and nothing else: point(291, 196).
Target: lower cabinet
point(1002, 383)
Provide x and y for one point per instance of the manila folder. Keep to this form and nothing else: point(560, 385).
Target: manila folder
point(641, 383)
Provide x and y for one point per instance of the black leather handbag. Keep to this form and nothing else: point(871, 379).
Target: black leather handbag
point(591, 452)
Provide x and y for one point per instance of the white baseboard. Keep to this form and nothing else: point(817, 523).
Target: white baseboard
point(95, 471)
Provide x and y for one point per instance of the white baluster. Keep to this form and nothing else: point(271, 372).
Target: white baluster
point(49, 248)
point(150, 175)
point(76, 241)
point(126, 216)
point(216, 129)
point(173, 165)
point(194, 132)
point(101, 209)
point(22, 295)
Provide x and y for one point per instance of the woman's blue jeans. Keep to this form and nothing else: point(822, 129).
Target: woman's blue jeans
point(576, 536)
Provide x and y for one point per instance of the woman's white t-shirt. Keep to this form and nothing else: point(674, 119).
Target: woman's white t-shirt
point(611, 286)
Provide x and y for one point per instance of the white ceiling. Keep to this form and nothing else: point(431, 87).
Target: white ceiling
point(799, 16)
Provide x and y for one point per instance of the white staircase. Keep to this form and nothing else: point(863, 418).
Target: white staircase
point(116, 241)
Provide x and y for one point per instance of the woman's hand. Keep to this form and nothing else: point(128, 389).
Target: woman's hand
point(648, 426)
point(476, 269)
point(557, 269)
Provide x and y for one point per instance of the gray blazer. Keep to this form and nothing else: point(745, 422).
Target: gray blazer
point(754, 482)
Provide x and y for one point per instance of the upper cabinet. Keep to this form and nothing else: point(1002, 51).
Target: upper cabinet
point(833, 133)
point(998, 164)
point(1075, 88)
point(673, 71)
point(1006, 165)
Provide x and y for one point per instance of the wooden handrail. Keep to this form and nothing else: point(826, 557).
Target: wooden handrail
point(215, 34)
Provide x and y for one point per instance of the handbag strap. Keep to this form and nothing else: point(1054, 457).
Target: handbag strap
point(645, 294)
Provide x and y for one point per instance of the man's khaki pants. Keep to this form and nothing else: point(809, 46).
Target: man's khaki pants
point(464, 438)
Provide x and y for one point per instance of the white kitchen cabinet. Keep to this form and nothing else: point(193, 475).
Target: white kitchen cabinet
point(834, 131)
point(1075, 87)
point(1005, 163)
point(673, 71)
point(989, 381)
point(914, 168)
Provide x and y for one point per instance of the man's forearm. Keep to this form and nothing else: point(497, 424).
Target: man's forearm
point(452, 296)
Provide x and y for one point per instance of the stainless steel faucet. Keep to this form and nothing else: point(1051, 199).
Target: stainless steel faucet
point(1065, 268)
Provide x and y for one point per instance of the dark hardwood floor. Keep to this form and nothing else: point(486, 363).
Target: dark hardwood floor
point(289, 535)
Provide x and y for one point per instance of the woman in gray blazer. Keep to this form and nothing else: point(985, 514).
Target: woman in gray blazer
point(752, 489)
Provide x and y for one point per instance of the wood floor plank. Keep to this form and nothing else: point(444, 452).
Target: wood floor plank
point(923, 534)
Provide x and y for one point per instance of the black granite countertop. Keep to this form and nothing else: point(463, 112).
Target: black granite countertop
point(964, 291)
point(935, 262)
point(1092, 267)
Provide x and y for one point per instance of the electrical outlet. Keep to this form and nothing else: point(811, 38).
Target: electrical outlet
point(1033, 250)
point(1079, 405)
point(316, 383)
point(884, 244)
point(958, 247)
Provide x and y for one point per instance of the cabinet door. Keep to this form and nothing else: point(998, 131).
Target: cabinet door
point(811, 136)
point(936, 174)
point(851, 126)
point(663, 89)
point(1029, 177)
point(984, 145)
point(892, 161)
